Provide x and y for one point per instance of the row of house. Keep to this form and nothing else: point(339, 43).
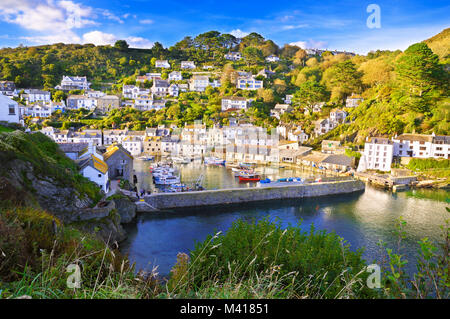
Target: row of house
point(379, 152)
point(236, 56)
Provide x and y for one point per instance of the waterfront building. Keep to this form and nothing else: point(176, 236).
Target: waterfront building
point(332, 147)
point(377, 155)
point(133, 144)
point(119, 161)
point(422, 146)
point(152, 145)
point(114, 136)
point(93, 167)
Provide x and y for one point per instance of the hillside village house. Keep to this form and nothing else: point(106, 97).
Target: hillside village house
point(93, 167)
point(233, 56)
point(315, 108)
point(93, 137)
point(184, 87)
point(133, 91)
point(119, 161)
point(32, 96)
point(422, 146)
point(249, 83)
point(187, 65)
point(332, 147)
point(114, 136)
point(338, 116)
point(272, 58)
point(174, 90)
point(266, 73)
point(147, 103)
point(288, 99)
point(81, 101)
point(153, 76)
point(160, 87)
point(108, 102)
point(36, 110)
point(141, 79)
point(377, 155)
point(9, 110)
point(162, 64)
point(354, 100)
point(72, 150)
point(152, 145)
point(280, 109)
point(198, 83)
point(235, 103)
point(8, 88)
point(293, 154)
point(323, 126)
point(73, 83)
point(94, 94)
point(168, 145)
point(132, 144)
point(175, 76)
point(298, 136)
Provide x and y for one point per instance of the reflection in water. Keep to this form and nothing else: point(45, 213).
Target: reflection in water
point(361, 219)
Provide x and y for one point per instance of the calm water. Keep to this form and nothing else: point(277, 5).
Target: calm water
point(362, 219)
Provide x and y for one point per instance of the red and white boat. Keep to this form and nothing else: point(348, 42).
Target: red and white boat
point(249, 177)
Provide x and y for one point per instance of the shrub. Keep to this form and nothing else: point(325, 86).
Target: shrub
point(314, 264)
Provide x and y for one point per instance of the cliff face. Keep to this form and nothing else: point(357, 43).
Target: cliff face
point(35, 173)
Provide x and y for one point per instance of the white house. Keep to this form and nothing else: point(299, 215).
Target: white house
point(280, 109)
point(188, 65)
point(9, 110)
point(146, 103)
point(422, 146)
point(36, 110)
point(378, 154)
point(160, 87)
point(174, 90)
point(8, 88)
point(337, 115)
point(133, 91)
point(235, 103)
point(81, 101)
point(95, 94)
point(32, 96)
point(198, 83)
point(233, 56)
point(272, 58)
point(175, 76)
point(353, 100)
point(249, 83)
point(73, 83)
point(93, 167)
point(132, 144)
point(323, 126)
point(162, 64)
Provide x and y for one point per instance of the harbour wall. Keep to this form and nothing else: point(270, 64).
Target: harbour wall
point(163, 201)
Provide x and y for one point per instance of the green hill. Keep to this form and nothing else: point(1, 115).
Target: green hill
point(440, 44)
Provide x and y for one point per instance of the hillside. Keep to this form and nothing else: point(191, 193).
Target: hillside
point(440, 44)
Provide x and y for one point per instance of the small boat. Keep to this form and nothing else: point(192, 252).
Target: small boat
point(249, 177)
point(145, 158)
point(181, 160)
point(214, 161)
point(265, 181)
point(169, 180)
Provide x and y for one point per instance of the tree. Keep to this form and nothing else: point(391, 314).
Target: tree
point(289, 51)
point(300, 56)
point(122, 45)
point(253, 55)
point(419, 69)
point(344, 76)
point(309, 93)
point(375, 71)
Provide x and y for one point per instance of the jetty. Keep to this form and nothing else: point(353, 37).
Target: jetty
point(163, 201)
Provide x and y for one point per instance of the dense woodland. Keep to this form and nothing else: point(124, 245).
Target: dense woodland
point(403, 91)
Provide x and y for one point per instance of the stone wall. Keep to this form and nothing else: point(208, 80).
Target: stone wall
point(242, 195)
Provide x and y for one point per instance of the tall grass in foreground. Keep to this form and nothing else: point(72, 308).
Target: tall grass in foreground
point(263, 260)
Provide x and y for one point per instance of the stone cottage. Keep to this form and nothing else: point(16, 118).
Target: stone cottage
point(120, 162)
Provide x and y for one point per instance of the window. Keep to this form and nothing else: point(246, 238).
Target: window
point(12, 110)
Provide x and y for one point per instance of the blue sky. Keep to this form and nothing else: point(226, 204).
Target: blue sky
point(328, 24)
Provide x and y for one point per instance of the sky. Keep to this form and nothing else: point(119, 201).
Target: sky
point(323, 24)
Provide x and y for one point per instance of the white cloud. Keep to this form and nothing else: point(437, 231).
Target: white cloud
point(102, 38)
point(50, 16)
point(111, 16)
point(146, 21)
point(310, 44)
point(292, 27)
point(239, 33)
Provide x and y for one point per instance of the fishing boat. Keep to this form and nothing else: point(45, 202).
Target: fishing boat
point(145, 158)
point(249, 177)
point(181, 160)
point(168, 180)
point(265, 181)
point(214, 161)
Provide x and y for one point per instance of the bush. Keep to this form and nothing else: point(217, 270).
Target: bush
point(428, 163)
point(315, 264)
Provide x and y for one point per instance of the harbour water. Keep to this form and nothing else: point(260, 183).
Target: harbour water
point(363, 220)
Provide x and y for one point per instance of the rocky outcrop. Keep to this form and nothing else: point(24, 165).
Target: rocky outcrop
point(125, 208)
